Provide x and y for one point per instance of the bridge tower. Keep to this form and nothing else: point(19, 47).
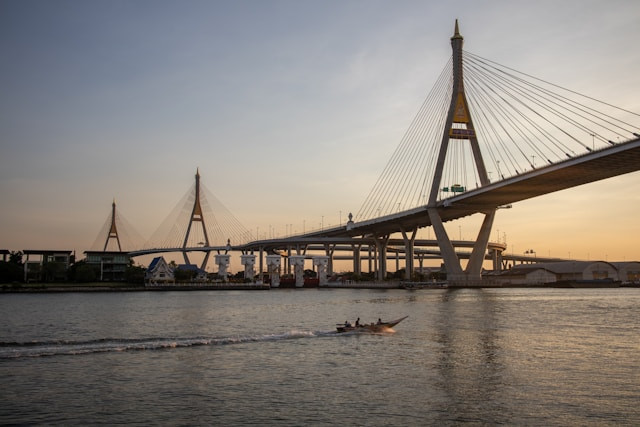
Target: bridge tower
point(459, 126)
point(113, 230)
point(197, 216)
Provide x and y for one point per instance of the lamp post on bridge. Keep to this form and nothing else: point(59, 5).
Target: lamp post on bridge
point(531, 251)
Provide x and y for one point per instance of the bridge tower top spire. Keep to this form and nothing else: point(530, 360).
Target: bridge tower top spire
point(456, 33)
point(456, 45)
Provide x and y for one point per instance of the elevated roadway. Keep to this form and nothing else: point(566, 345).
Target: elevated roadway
point(597, 165)
point(594, 166)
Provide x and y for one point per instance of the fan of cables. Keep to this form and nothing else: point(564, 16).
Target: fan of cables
point(521, 123)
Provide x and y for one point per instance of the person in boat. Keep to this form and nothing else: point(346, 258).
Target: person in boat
point(347, 324)
point(379, 321)
point(358, 321)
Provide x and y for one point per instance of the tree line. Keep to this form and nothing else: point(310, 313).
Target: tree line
point(12, 271)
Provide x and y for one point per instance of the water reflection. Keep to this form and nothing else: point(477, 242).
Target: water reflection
point(470, 363)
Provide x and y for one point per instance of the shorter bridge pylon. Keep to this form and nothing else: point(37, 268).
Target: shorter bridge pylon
point(116, 235)
point(197, 216)
point(113, 229)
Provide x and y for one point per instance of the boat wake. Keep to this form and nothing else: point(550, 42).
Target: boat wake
point(14, 350)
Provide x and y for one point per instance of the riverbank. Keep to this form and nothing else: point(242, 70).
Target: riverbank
point(127, 287)
point(124, 287)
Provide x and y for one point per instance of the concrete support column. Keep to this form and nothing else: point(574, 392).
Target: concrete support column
point(186, 258)
point(449, 256)
point(26, 270)
point(409, 253)
point(381, 248)
point(249, 262)
point(260, 264)
point(203, 266)
point(474, 267)
point(222, 261)
point(273, 266)
point(496, 260)
point(297, 261)
point(329, 249)
point(322, 263)
point(356, 259)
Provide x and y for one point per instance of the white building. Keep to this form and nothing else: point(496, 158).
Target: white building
point(158, 273)
point(564, 271)
point(628, 271)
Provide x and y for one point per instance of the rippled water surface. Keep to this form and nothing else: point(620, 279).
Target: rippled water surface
point(510, 356)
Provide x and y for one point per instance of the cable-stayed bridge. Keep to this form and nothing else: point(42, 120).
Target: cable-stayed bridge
point(485, 137)
point(594, 166)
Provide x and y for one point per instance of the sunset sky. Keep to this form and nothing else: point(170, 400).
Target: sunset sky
point(290, 110)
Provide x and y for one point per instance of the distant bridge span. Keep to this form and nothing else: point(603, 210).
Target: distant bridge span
point(311, 246)
point(306, 243)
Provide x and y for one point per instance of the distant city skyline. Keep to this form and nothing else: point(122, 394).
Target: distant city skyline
point(290, 110)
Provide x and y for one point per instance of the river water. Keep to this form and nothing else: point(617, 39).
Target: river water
point(478, 356)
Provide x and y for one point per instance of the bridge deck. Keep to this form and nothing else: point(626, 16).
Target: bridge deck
point(594, 166)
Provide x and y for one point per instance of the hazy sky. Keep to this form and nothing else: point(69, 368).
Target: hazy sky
point(290, 109)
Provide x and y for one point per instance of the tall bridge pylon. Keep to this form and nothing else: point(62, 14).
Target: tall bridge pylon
point(459, 126)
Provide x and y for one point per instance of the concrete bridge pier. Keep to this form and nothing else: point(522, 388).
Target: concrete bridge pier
point(473, 273)
point(496, 258)
point(273, 267)
point(409, 252)
point(222, 261)
point(451, 261)
point(381, 249)
point(474, 266)
point(287, 264)
point(249, 262)
point(356, 259)
point(260, 263)
point(321, 262)
point(329, 249)
point(297, 261)
point(421, 262)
